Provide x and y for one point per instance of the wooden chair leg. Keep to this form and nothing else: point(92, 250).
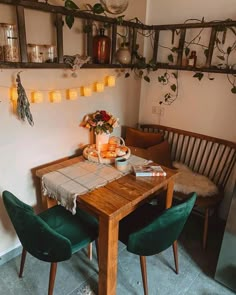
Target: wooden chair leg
point(22, 263)
point(205, 230)
point(175, 252)
point(90, 251)
point(52, 276)
point(144, 273)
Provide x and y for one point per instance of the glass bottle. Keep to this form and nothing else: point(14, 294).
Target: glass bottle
point(101, 48)
point(10, 46)
point(192, 59)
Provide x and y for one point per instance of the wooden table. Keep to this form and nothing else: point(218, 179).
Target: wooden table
point(110, 204)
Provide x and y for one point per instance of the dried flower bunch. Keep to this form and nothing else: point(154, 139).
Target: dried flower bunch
point(100, 122)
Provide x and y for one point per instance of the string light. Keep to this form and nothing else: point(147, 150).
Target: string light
point(99, 87)
point(14, 94)
point(37, 97)
point(72, 94)
point(111, 81)
point(55, 96)
point(86, 91)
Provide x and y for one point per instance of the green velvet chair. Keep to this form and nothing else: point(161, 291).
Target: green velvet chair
point(148, 231)
point(53, 235)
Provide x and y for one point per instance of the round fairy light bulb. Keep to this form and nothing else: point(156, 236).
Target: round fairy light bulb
point(115, 6)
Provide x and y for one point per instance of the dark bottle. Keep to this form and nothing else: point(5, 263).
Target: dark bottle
point(192, 59)
point(101, 48)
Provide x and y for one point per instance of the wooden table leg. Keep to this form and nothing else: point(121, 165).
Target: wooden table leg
point(169, 193)
point(108, 252)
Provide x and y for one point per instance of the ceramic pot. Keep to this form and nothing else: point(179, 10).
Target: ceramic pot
point(123, 55)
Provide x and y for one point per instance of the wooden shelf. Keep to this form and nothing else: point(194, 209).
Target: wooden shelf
point(59, 12)
point(30, 65)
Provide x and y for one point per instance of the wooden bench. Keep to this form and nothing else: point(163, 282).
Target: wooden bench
point(212, 157)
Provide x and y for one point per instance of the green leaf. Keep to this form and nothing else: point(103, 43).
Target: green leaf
point(221, 57)
point(233, 90)
point(173, 87)
point(69, 4)
point(199, 76)
point(70, 21)
point(127, 75)
point(87, 28)
point(140, 73)
point(229, 49)
point(159, 79)
point(98, 9)
point(175, 75)
point(174, 49)
point(147, 79)
point(206, 52)
point(106, 25)
point(120, 19)
point(170, 58)
point(187, 51)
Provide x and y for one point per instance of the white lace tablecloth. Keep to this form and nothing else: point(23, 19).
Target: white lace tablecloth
point(66, 184)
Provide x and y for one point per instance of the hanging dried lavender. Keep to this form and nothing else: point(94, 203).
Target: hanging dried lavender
point(23, 105)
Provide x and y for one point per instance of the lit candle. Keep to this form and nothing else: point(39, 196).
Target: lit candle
point(111, 81)
point(87, 91)
point(37, 97)
point(72, 94)
point(56, 96)
point(99, 87)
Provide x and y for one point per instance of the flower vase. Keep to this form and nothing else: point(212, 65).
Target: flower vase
point(102, 140)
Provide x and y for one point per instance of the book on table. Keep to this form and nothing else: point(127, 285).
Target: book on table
point(148, 170)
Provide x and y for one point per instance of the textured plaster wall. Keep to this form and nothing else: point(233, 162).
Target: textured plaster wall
point(56, 132)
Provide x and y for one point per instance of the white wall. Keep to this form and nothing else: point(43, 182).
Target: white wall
point(206, 107)
point(56, 132)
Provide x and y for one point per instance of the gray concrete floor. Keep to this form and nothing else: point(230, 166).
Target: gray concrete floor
point(79, 276)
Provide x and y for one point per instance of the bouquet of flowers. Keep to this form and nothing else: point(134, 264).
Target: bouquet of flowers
point(100, 122)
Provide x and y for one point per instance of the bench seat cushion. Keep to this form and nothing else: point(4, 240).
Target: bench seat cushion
point(188, 181)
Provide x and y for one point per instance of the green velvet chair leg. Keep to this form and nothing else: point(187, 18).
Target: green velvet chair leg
point(144, 273)
point(205, 230)
point(22, 263)
point(175, 251)
point(97, 249)
point(52, 277)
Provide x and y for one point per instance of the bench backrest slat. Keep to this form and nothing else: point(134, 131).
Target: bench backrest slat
point(206, 155)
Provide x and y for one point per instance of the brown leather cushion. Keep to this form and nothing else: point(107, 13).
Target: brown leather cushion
point(159, 153)
point(140, 139)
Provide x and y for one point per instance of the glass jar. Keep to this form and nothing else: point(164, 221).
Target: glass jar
point(101, 48)
point(2, 42)
point(35, 53)
point(10, 46)
point(49, 53)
